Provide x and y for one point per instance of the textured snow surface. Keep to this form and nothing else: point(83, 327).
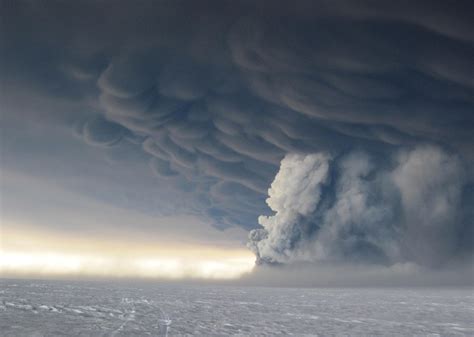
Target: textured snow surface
point(60, 308)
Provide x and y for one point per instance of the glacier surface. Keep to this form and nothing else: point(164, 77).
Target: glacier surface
point(78, 308)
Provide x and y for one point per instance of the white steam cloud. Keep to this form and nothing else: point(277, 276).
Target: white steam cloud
point(350, 208)
point(294, 195)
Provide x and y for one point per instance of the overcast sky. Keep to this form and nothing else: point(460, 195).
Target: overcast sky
point(334, 133)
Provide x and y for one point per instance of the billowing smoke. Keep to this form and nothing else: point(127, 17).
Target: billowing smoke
point(367, 106)
point(350, 208)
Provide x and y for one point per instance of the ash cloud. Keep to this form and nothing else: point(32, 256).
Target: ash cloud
point(349, 209)
point(359, 112)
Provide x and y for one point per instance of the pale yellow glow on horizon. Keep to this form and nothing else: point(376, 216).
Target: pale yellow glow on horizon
point(58, 264)
point(35, 254)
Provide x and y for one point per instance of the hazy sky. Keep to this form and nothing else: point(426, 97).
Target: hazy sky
point(191, 138)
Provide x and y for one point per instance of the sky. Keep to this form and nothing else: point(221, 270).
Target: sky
point(242, 140)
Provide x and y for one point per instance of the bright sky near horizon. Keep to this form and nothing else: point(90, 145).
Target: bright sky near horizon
point(28, 254)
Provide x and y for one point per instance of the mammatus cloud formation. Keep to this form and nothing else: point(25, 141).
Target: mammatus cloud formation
point(347, 208)
point(359, 111)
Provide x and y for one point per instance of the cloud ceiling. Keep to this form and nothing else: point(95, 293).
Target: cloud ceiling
point(368, 106)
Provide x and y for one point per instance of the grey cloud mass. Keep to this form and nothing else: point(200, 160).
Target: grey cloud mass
point(348, 209)
point(360, 112)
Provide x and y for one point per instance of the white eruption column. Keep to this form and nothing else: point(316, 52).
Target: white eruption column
point(352, 209)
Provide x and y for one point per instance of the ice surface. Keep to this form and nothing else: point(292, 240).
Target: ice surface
point(60, 308)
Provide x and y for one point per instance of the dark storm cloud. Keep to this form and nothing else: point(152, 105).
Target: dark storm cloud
point(377, 96)
point(99, 131)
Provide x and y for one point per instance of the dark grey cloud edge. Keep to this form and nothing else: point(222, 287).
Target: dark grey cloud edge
point(370, 101)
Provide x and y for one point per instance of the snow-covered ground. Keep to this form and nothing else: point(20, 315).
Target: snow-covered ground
point(60, 308)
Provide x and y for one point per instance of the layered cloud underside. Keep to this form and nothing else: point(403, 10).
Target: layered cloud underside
point(215, 94)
